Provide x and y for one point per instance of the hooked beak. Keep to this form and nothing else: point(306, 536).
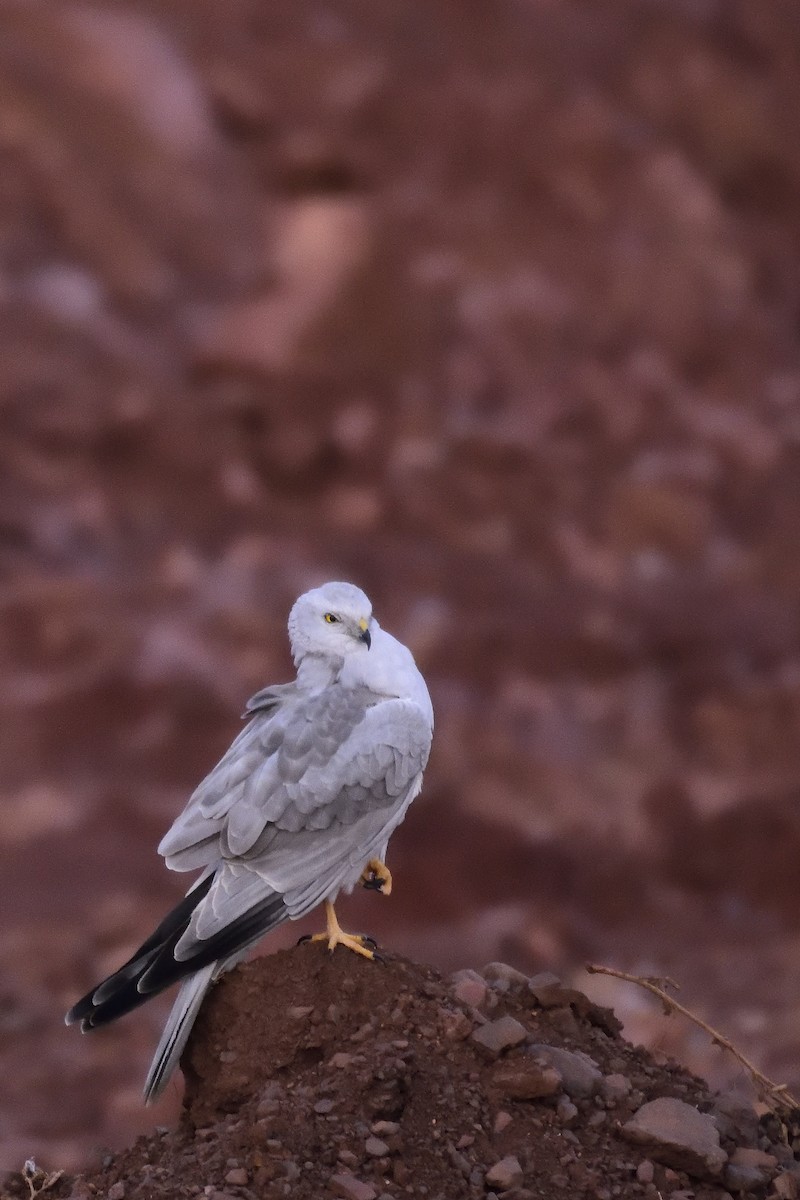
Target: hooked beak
point(364, 636)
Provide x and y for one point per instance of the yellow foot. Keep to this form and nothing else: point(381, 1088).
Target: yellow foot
point(335, 936)
point(377, 876)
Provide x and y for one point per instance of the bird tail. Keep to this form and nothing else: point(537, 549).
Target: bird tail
point(176, 1031)
point(124, 989)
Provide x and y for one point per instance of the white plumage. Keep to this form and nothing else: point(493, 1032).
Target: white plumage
point(301, 805)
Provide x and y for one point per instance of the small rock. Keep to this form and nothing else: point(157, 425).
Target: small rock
point(385, 1128)
point(341, 1060)
point(499, 1035)
point(677, 1135)
point(351, 1188)
point(749, 1168)
point(527, 1079)
point(547, 983)
point(456, 1026)
point(298, 1011)
point(615, 1088)
point(238, 1177)
point(741, 1178)
point(735, 1119)
point(376, 1148)
point(754, 1158)
point(117, 1191)
point(468, 987)
point(502, 1121)
point(504, 1174)
point(400, 1172)
point(459, 1161)
point(566, 1111)
point(645, 1172)
point(784, 1186)
point(324, 1106)
point(270, 1100)
point(580, 1074)
point(503, 977)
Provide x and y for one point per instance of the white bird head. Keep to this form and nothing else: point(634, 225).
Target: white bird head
point(332, 622)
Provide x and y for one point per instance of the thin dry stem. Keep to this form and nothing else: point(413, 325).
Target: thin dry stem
point(776, 1094)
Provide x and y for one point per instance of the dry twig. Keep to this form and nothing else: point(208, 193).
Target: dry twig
point(776, 1094)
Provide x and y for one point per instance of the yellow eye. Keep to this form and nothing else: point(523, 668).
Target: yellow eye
point(331, 619)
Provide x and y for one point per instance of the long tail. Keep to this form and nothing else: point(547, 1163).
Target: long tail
point(176, 1031)
point(154, 966)
point(126, 988)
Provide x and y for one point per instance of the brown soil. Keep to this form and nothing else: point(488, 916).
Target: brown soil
point(311, 1075)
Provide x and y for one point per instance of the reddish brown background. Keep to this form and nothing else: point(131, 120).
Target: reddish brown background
point(490, 308)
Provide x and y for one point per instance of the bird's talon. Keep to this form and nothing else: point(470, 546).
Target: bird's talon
point(377, 877)
point(305, 938)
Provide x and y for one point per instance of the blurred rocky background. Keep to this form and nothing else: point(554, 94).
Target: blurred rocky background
point(490, 308)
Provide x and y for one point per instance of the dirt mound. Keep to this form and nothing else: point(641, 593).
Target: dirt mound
point(311, 1075)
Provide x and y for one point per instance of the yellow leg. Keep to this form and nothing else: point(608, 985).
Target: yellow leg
point(335, 935)
point(377, 876)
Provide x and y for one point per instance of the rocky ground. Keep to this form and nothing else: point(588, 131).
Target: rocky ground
point(312, 1076)
point(490, 308)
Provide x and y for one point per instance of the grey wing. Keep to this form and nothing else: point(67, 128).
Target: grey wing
point(306, 794)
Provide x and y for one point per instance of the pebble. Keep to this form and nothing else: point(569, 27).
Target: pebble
point(503, 977)
point(376, 1148)
point(117, 1191)
point(677, 1135)
point(527, 1079)
point(735, 1119)
point(468, 987)
point(456, 1026)
point(298, 1011)
point(385, 1128)
point(784, 1186)
point(324, 1106)
point(499, 1035)
point(459, 1161)
point(645, 1172)
point(504, 1174)
point(566, 1111)
point(548, 990)
point(238, 1177)
point(580, 1074)
point(351, 1188)
point(615, 1088)
point(502, 1121)
point(749, 1169)
point(341, 1060)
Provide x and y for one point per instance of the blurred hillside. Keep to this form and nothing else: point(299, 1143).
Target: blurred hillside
point(492, 309)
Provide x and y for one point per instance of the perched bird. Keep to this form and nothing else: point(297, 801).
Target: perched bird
point(299, 809)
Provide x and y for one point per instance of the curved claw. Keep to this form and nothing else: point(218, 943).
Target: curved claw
point(377, 877)
point(306, 937)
